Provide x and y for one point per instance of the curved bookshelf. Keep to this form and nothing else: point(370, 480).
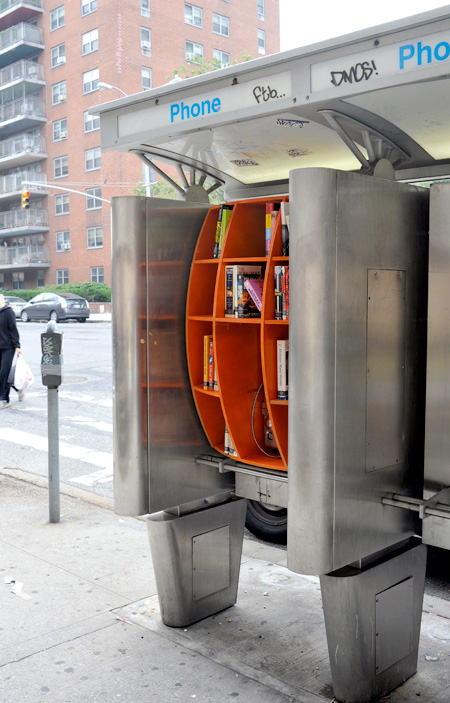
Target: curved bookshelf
point(244, 348)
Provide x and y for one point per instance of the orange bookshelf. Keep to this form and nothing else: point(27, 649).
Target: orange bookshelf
point(244, 348)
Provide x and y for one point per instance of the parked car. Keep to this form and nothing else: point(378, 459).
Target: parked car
point(57, 307)
point(15, 303)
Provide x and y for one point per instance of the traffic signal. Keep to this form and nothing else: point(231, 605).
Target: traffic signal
point(25, 199)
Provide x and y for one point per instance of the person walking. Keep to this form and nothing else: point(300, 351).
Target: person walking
point(9, 344)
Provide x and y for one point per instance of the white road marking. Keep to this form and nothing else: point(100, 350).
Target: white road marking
point(86, 398)
point(70, 451)
point(87, 421)
point(104, 476)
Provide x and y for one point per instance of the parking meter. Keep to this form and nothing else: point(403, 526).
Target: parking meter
point(52, 360)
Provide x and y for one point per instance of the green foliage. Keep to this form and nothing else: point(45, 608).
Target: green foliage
point(94, 292)
point(198, 65)
point(162, 189)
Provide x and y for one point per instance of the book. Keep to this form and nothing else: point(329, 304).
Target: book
point(271, 216)
point(229, 296)
point(255, 287)
point(287, 293)
point(250, 272)
point(277, 272)
point(283, 292)
point(211, 364)
point(226, 215)
point(245, 304)
point(226, 441)
point(207, 338)
point(217, 235)
point(285, 228)
point(282, 368)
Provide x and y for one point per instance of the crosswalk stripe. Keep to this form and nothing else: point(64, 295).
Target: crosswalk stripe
point(70, 451)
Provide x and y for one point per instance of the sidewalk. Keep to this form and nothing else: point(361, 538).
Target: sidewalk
point(86, 625)
point(99, 317)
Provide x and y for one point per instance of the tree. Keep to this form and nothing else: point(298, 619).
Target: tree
point(199, 65)
point(162, 189)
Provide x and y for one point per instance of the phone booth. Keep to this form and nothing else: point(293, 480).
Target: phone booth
point(290, 345)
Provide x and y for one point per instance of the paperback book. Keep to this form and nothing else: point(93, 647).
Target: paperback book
point(285, 228)
point(271, 216)
point(223, 220)
point(282, 368)
point(232, 295)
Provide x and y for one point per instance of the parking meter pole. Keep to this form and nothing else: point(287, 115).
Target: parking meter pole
point(51, 369)
point(53, 455)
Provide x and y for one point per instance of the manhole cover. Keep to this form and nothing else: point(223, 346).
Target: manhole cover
point(74, 379)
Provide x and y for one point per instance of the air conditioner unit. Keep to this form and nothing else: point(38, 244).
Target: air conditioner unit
point(146, 45)
point(189, 55)
point(61, 59)
point(63, 135)
point(65, 245)
point(61, 98)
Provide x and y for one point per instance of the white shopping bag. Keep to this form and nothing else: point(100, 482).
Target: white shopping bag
point(23, 376)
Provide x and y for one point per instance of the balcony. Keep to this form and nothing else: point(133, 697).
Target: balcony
point(16, 222)
point(15, 11)
point(20, 42)
point(23, 76)
point(21, 150)
point(24, 257)
point(23, 113)
point(11, 185)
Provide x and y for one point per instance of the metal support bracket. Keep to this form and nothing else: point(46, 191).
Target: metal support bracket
point(436, 506)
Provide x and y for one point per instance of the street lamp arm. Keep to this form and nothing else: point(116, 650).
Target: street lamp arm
point(66, 190)
point(107, 86)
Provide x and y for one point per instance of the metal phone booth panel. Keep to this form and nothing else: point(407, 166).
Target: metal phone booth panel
point(340, 129)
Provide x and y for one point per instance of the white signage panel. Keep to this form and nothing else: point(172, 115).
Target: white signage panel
point(368, 66)
point(220, 102)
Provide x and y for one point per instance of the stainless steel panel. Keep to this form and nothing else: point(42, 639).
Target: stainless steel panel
point(355, 622)
point(210, 562)
point(198, 540)
point(394, 624)
point(128, 327)
point(265, 490)
point(385, 376)
point(343, 226)
point(157, 434)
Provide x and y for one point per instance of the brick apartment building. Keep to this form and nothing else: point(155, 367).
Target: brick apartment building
point(53, 54)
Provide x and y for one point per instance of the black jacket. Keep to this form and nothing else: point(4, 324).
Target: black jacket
point(9, 335)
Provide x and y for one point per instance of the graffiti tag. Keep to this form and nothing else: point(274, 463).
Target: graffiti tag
point(356, 74)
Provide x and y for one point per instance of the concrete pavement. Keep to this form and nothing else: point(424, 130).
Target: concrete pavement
point(85, 624)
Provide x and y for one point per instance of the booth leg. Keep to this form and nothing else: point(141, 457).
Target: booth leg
point(372, 620)
point(196, 559)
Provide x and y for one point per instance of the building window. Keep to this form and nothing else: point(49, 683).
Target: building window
point(40, 279)
point(193, 15)
point(59, 93)
point(91, 122)
point(260, 9)
point(62, 204)
point(221, 25)
point(89, 42)
point(92, 202)
point(92, 159)
point(63, 241)
point(60, 130)
point(62, 276)
point(57, 18)
point(222, 57)
point(88, 6)
point(58, 55)
point(145, 8)
point(90, 80)
point(97, 274)
point(146, 41)
point(61, 166)
point(261, 41)
point(146, 78)
point(192, 50)
point(94, 237)
point(18, 280)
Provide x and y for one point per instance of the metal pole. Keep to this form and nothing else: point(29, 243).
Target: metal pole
point(53, 454)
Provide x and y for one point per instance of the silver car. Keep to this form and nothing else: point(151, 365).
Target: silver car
point(57, 307)
point(17, 304)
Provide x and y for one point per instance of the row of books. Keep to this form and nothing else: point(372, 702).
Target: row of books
point(281, 282)
point(209, 367)
point(272, 210)
point(228, 444)
point(243, 290)
point(223, 220)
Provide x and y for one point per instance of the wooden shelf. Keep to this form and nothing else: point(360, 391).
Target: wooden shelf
point(244, 348)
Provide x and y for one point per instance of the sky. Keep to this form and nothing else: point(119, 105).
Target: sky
point(306, 23)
